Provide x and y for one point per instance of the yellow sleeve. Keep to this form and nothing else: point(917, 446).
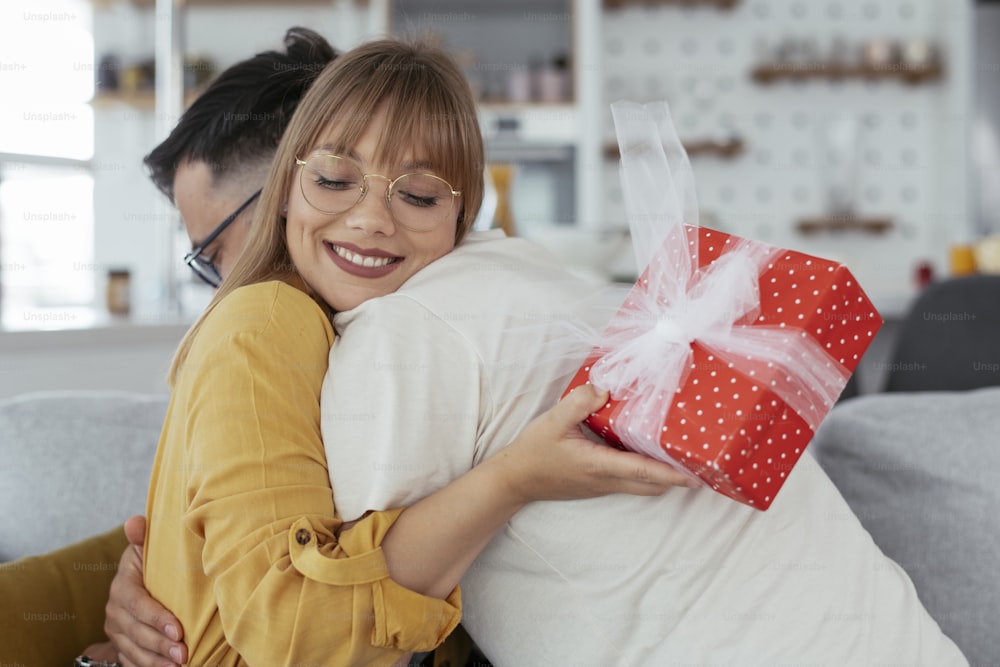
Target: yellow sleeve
point(289, 589)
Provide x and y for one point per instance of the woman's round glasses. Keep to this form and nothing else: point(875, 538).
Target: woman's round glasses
point(333, 184)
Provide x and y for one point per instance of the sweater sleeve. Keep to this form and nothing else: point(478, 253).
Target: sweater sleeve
point(290, 587)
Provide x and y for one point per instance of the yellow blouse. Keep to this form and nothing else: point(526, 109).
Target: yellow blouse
point(243, 543)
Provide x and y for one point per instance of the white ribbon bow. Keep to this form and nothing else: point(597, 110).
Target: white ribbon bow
point(647, 347)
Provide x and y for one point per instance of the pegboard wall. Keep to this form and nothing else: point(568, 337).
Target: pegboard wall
point(909, 158)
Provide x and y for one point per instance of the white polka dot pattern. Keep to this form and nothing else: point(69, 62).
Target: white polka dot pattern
point(725, 425)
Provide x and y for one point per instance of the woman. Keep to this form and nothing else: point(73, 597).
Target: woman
point(244, 543)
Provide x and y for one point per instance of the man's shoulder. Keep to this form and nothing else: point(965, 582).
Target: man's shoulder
point(490, 264)
point(499, 253)
point(487, 285)
point(484, 284)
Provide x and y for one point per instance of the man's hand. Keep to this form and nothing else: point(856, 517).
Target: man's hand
point(143, 632)
point(103, 652)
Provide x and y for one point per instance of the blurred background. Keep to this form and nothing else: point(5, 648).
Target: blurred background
point(860, 130)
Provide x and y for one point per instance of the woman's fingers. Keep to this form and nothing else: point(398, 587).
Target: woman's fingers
point(580, 403)
point(638, 474)
point(552, 459)
point(641, 475)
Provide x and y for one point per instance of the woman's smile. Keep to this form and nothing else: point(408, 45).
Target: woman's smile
point(367, 263)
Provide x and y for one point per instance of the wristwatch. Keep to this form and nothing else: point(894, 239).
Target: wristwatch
point(84, 661)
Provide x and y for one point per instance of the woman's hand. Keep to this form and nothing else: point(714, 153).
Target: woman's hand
point(552, 459)
point(143, 632)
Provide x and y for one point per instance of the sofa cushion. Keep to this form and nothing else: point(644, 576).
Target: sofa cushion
point(920, 470)
point(73, 464)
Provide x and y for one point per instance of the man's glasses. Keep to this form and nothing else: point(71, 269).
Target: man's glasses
point(333, 184)
point(204, 268)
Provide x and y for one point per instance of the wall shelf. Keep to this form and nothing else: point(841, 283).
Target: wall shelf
point(728, 149)
point(912, 74)
point(138, 99)
point(721, 4)
point(875, 226)
point(208, 3)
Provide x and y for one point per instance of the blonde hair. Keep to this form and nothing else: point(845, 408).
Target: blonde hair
point(428, 107)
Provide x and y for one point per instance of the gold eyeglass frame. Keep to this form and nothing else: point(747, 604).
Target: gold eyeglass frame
point(363, 190)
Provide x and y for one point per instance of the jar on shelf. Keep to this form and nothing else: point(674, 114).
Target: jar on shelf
point(553, 80)
point(962, 259)
point(119, 293)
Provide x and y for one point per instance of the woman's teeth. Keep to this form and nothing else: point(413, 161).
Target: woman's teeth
point(361, 260)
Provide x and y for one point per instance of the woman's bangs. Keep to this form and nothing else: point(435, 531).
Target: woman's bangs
point(420, 124)
point(341, 130)
point(407, 140)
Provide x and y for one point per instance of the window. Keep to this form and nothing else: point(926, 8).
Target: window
point(47, 142)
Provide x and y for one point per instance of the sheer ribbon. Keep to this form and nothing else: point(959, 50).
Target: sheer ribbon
point(646, 349)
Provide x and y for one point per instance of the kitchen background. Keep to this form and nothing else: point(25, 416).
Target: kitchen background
point(866, 131)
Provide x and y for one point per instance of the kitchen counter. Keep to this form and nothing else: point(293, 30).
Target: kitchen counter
point(80, 349)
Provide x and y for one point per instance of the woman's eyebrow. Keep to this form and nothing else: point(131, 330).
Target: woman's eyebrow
point(327, 148)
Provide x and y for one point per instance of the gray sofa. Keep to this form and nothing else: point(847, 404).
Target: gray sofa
point(73, 464)
point(920, 471)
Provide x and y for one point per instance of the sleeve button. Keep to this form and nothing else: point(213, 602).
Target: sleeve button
point(302, 536)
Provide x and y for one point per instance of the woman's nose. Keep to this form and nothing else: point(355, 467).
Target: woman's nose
point(372, 215)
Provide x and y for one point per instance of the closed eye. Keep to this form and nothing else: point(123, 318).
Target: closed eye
point(333, 184)
point(417, 200)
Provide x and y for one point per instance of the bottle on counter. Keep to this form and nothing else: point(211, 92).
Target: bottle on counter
point(119, 293)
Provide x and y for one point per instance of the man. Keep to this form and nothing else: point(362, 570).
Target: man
point(215, 161)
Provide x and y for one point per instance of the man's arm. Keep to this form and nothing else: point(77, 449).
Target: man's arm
point(50, 604)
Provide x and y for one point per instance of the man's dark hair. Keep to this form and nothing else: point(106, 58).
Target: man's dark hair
point(241, 115)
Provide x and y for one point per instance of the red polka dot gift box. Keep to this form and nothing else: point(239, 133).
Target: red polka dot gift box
point(728, 375)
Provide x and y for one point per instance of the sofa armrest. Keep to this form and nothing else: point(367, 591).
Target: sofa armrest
point(920, 470)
